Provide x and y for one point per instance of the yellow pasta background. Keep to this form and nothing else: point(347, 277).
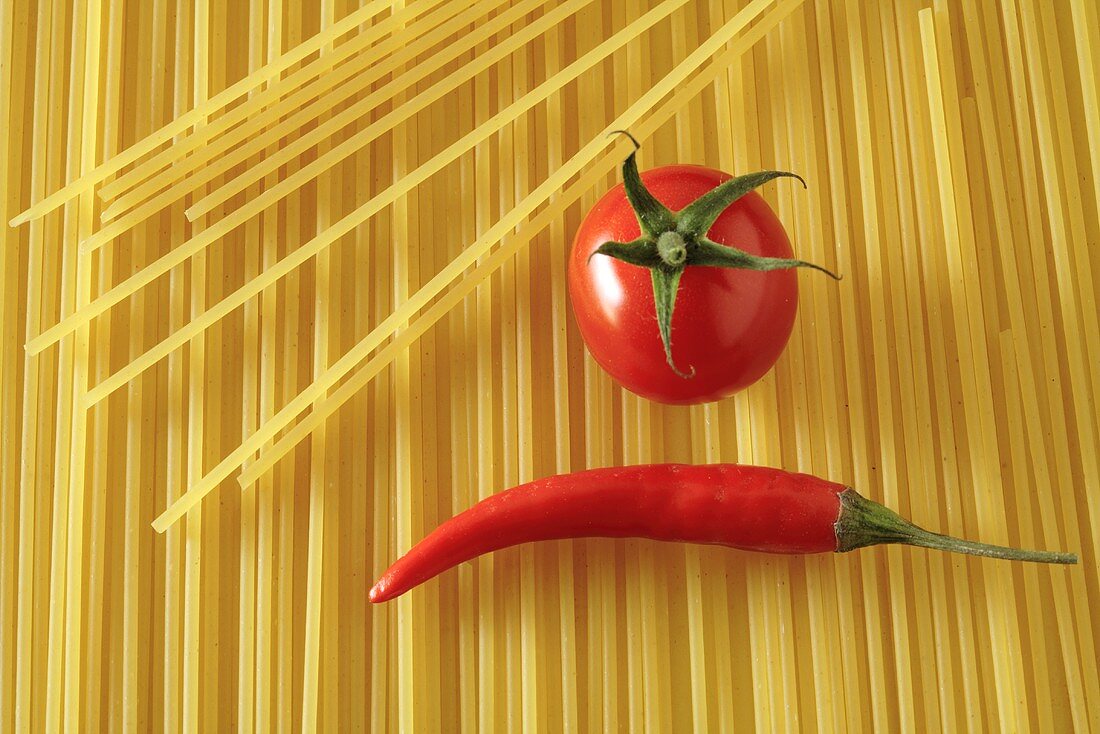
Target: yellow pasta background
point(284, 287)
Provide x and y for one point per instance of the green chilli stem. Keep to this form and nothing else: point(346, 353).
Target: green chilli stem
point(863, 522)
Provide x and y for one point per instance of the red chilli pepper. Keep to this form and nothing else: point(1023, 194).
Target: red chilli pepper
point(747, 507)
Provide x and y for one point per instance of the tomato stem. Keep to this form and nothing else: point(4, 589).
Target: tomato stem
point(672, 249)
point(863, 522)
point(671, 241)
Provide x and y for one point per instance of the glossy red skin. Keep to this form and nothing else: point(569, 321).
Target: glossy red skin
point(731, 325)
point(747, 507)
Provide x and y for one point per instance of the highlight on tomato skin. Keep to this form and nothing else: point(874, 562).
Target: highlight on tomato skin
point(682, 282)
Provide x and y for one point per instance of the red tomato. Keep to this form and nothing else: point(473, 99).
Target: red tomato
point(729, 325)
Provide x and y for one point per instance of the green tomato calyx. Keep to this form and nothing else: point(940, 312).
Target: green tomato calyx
point(672, 241)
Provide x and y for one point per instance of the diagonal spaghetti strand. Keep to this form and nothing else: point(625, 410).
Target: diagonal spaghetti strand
point(420, 299)
point(174, 163)
point(219, 229)
point(345, 225)
point(338, 153)
point(403, 112)
point(218, 158)
point(198, 113)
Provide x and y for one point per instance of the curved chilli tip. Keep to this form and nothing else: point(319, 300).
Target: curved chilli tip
point(380, 592)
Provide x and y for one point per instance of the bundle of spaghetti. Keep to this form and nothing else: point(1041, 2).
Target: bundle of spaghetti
point(407, 108)
point(293, 503)
point(100, 467)
point(871, 158)
point(383, 197)
point(84, 91)
point(1073, 270)
point(39, 390)
point(11, 83)
point(218, 164)
point(215, 160)
point(200, 539)
point(68, 490)
point(272, 101)
point(816, 610)
point(320, 496)
point(180, 543)
point(254, 575)
point(1044, 122)
point(905, 414)
point(959, 232)
point(197, 113)
point(224, 226)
